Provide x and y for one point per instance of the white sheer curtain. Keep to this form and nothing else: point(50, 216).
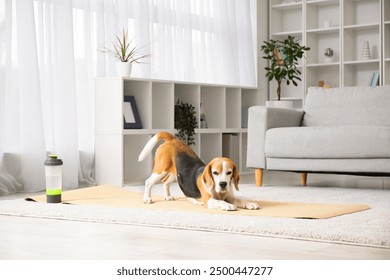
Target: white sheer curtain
point(49, 57)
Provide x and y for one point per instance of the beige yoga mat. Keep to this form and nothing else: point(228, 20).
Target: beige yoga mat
point(111, 196)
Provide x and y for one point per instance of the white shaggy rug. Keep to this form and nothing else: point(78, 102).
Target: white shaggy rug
point(368, 228)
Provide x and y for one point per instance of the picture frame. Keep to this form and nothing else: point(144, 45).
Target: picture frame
point(131, 119)
point(374, 79)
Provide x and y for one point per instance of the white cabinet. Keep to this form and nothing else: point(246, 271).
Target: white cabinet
point(344, 26)
point(117, 149)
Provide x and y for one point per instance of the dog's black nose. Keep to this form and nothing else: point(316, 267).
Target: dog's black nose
point(222, 184)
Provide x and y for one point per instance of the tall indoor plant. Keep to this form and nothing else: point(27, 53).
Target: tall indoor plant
point(126, 54)
point(283, 56)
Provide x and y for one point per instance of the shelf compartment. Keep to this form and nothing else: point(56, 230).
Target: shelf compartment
point(359, 74)
point(330, 74)
point(142, 92)
point(318, 43)
point(354, 40)
point(163, 101)
point(361, 12)
point(286, 17)
point(188, 94)
point(233, 108)
point(320, 13)
point(213, 100)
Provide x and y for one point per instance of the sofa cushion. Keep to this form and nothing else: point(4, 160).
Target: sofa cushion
point(328, 142)
point(347, 106)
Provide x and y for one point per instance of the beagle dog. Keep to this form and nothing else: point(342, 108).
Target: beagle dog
point(210, 185)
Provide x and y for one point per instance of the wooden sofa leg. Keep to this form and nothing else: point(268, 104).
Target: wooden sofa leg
point(259, 177)
point(303, 179)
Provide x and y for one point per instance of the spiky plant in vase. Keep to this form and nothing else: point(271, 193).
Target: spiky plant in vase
point(283, 58)
point(126, 53)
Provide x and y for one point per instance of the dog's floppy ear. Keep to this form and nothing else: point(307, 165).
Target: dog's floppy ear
point(236, 177)
point(207, 178)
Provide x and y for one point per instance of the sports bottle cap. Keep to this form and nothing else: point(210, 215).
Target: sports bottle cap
point(53, 160)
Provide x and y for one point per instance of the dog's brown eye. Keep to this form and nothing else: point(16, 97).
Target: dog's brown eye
point(215, 173)
point(229, 172)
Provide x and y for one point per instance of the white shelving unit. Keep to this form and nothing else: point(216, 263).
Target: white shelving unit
point(117, 149)
point(386, 41)
point(341, 25)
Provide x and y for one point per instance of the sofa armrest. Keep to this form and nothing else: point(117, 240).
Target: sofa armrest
point(260, 119)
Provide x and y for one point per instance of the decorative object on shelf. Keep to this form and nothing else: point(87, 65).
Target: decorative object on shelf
point(375, 79)
point(323, 85)
point(130, 113)
point(203, 121)
point(125, 53)
point(328, 55)
point(283, 60)
point(366, 51)
point(185, 122)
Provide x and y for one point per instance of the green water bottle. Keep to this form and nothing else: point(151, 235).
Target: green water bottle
point(53, 175)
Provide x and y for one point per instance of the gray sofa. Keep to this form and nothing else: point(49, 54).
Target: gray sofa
point(340, 130)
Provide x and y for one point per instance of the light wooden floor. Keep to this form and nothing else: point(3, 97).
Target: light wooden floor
point(35, 238)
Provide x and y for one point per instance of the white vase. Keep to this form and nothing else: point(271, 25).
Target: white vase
point(366, 51)
point(123, 69)
point(280, 104)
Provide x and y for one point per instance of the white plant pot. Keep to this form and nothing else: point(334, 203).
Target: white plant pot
point(123, 69)
point(280, 104)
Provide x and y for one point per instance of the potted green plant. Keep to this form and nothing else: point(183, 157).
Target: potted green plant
point(283, 56)
point(125, 53)
point(185, 122)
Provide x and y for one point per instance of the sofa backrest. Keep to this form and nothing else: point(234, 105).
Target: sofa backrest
point(347, 106)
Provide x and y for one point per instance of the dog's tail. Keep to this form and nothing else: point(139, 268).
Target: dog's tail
point(152, 142)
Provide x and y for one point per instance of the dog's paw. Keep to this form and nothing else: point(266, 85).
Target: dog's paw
point(228, 207)
point(169, 198)
point(252, 206)
point(147, 200)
